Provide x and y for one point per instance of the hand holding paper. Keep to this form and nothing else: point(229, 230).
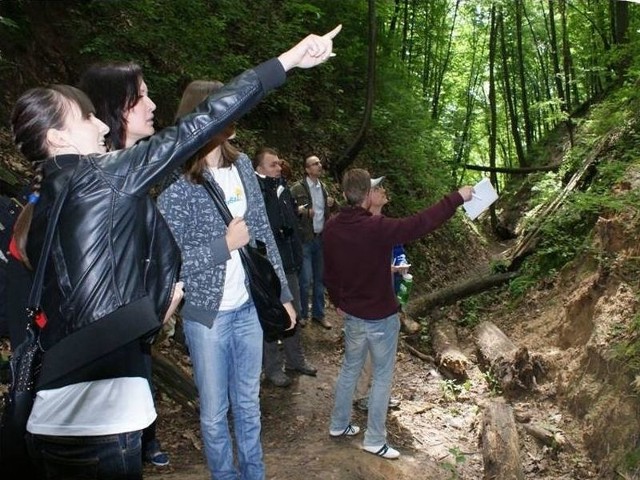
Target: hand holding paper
point(482, 197)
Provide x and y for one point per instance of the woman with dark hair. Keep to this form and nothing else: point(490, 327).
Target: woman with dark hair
point(92, 395)
point(121, 98)
point(221, 325)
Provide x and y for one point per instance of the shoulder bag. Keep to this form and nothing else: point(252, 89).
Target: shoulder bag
point(25, 363)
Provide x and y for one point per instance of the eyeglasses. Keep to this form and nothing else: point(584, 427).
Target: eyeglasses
point(314, 164)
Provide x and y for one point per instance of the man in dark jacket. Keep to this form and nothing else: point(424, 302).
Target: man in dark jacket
point(281, 211)
point(357, 273)
point(313, 211)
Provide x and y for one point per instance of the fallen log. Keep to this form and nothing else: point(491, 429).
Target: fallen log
point(516, 171)
point(171, 379)
point(529, 240)
point(500, 446)
point(554, 440)
point(449, 359)
point(509, 365)
point(446, 296)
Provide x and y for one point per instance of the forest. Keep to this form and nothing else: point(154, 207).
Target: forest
point(541, 97)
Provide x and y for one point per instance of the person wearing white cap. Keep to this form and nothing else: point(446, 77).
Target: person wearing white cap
point(378, 199)
point(357, 245)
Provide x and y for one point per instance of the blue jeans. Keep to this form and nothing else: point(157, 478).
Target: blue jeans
point(380, 339)
point(107, 457)
point(312, 267)
point(227, 360)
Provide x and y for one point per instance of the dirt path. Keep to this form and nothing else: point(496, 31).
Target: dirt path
point(436, 427)
point(295, 427)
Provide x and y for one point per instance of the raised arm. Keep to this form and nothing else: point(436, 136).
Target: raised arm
point(137, 169)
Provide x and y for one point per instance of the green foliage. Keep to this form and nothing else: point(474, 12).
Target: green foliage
point(631, 464)
point(431, 107)
point(499, 266)
point(627, 350)
point(451, 389)
point(471, 308)
point(459, 458)
point(492, 382)
point(521, 284)
point(566, 235)
point(7, 22)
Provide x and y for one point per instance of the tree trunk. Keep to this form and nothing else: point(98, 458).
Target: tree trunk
point(446, 296)
point(562, 95)
point(493, 117)
point(500, 445)
point(621, 27)
point(405, 30)
point(462, 139)
point(350, 154)
point(566, 57)
point(394, 19)
point(621, 24)
point(509, 94)
point(449, 359)
point(516, 171)
point(510, 366)
point(526, 116)
point(544, 73)
point(444, 66)
point(554, 57)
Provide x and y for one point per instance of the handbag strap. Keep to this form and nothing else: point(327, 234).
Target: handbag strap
point(218, 200)
point(38, 280)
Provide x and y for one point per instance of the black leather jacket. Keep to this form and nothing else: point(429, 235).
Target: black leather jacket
point(98, 293)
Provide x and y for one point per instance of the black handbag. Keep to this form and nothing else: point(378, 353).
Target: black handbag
point(263, 281)
point(25, 365)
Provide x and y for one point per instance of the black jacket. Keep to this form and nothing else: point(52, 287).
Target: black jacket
point(281, 210)
point(101, 289)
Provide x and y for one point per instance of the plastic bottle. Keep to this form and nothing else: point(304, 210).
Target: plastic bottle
point(405, 288)
point(400, 260)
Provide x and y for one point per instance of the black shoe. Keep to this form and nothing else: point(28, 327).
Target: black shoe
point(302, 321)
point(323, 321)
point(304, 369)
point(279, 379)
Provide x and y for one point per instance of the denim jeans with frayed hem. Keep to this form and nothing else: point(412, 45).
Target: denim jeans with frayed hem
point(227, 360)
point(105, 457)
point(380, 339)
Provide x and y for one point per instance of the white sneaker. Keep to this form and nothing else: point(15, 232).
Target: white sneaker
point(350, 431)
point(384, 451)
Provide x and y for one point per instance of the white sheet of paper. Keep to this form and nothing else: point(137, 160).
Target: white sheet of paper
point(484, 195)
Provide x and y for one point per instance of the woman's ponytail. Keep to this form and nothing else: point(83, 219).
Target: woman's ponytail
point(23, 222)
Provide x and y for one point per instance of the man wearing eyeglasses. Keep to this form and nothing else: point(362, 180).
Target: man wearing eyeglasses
point(313, 211)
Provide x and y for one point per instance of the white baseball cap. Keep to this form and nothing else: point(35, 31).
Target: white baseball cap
point(376, 181)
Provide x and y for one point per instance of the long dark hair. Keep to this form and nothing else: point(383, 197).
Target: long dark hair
point(192, 96)
point(114, 89)
point(36, 112)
